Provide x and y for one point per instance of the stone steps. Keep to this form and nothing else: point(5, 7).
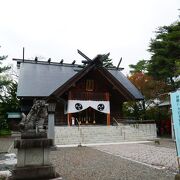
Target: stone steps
point(99, 134)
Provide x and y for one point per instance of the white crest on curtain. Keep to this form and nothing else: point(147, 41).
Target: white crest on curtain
point(79, 105)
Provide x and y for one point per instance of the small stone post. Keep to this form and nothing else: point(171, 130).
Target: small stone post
point(51, 113)
point(172, 129)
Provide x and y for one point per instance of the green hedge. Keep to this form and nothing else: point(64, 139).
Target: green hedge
point(5, 132)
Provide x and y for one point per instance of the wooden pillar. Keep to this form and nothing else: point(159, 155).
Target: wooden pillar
point(69, 115)
point(108, 119)
point(108, 115)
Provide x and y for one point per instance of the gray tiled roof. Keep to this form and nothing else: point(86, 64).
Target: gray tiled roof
point(126, 83)
point(41, 80)
point(36, 80)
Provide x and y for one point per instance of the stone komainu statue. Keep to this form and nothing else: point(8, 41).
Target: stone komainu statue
point(36, 117)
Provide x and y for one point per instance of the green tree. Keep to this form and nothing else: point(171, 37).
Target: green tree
point(156, 76)
point(4, 81)
point(151, 89)
point(141, 66)
point(165, 50)
point(8, 99)
point(107, 62)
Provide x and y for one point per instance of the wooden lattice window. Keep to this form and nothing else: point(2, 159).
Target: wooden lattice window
point(89, 85)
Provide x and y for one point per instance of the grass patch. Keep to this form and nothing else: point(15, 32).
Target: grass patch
point(5, 132)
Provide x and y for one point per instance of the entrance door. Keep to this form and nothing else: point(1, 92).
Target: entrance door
point(90, 117)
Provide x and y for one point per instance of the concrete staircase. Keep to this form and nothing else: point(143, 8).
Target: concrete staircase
point(101, 134)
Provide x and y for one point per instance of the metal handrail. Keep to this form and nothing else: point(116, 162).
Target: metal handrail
point(116, 121)
point(130, 121)
point(78, 123)
point(118, 126)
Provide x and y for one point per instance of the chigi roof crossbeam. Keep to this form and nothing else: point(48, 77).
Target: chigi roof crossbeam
point(85, 62)
point(35, 61)
point(61, 63)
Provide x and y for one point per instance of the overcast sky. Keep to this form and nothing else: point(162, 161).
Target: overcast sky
point(57, 28)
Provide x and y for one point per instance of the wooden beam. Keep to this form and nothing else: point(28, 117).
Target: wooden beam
point(61, 62)
point(107, 96)
point(119, 63)
point(83, 55)
point(23, 54)
point(69, 115)
point(73, 62)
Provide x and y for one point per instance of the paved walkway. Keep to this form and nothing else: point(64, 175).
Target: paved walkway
point(155, 156)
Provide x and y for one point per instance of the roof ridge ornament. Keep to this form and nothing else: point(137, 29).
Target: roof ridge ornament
point(119, 63)
point(98, 61)
point(83, 55)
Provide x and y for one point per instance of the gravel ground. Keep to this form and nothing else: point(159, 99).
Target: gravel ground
point(6, 144)
point(83, 163)
point(7, 163)
point(163, 142)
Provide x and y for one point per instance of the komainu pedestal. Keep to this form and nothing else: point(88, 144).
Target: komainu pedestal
point(34, 146)
point(33, 157)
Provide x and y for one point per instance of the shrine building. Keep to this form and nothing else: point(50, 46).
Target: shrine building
point(86, 95)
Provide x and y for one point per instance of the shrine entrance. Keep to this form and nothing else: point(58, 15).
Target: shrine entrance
point(89, 116)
